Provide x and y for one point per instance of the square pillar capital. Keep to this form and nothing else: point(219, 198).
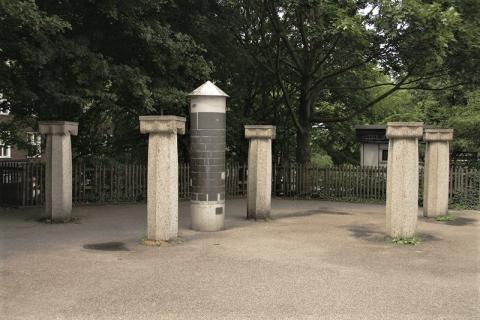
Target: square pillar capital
point(404, 130)
point(260, 132)
point(162, 124)
point(57, 128)
point(438, 135)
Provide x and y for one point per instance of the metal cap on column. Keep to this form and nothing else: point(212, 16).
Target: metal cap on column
point(207, 155)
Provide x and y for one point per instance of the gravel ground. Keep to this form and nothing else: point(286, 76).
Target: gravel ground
point(314, 260)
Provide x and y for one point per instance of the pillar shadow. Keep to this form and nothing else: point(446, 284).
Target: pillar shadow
point(458, 221)
point(107, 246)
point(309, 213)
point(372, 233)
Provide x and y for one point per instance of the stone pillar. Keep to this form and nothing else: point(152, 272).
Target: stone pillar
point(436, 172)
point(58, 173)
point(402, 178)
point(162, 181)
point(207, 165)
point(259, 188)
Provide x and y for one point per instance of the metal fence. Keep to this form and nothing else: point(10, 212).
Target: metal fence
point(22, 182)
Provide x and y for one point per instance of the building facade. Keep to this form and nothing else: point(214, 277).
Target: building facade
point(33, 141)
point(373, 145)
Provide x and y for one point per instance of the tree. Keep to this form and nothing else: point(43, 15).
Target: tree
point(325, 55)
point(100, 63)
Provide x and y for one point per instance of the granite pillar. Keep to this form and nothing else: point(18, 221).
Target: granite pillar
point(58, 172)
point(259, 186)
point(402, 178)
point(436, 172)
point(162, 181)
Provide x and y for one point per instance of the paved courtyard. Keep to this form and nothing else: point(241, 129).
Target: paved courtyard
point(314, 260)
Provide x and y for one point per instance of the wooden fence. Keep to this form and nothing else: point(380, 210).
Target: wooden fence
point(22, 182)
point(464, 187)
point(356, 183)
point(338, 182)
point(99, 181)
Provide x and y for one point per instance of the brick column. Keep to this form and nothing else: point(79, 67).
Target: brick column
point(437, 171)
point(259, 187)
point(402, 178)
point(58, 173)
point(162, 184)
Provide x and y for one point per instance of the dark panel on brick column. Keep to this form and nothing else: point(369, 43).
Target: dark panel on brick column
point(207, 156)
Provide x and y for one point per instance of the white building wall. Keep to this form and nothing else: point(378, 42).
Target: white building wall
point(371, 154)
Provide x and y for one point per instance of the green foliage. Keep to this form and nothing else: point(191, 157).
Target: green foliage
point(75, 220)
point(100, 63)
point(400, 106)
point(338, 141)
point(332, 61)
point(321, 159)
point(447, 217)
point(465, 119)
point(313, 68)
point(407, 241)
point(468, 199)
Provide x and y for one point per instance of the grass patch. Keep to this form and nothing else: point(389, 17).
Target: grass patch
point(60, 221)
point(447, 217)
point(407, 241)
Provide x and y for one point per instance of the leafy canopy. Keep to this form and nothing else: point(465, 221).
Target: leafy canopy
point(102, 63)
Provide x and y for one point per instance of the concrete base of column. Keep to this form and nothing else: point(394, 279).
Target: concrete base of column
point(207, 216)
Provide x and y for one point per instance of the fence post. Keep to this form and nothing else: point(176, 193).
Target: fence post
point(24, 183)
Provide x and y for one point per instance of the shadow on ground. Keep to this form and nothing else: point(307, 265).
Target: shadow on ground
point(309, 213)
point(107, 246)
point(372, 233)
point(295, 214)
point(458, 221)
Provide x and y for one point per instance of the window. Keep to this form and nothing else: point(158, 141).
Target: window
point(34, 141)
point(5, 151)
point(384, 155)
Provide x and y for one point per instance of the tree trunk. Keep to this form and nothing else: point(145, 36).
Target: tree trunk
point(304, 134)
point(303, 152)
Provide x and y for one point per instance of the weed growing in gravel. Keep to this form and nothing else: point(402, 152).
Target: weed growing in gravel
point(408, 241)
point(447, 217)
